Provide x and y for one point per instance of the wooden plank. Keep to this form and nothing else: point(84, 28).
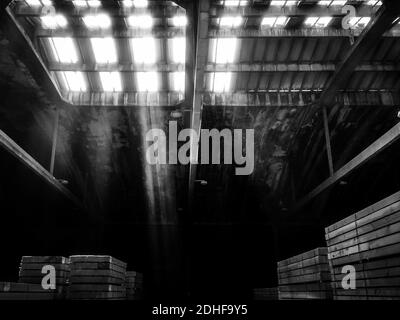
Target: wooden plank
point(97, 273)
point(391, 219)
point(96, 259)
point(304, 271)
point(390, 250)
point(305, 263)
point(94, 280)
point(96, 288)
point(366, 238)
point(303, 256)
point(320, 276)
point(366, 219)
point(367, 246)
point(376, 282)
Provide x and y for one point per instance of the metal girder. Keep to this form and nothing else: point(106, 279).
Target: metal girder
point(159, 11)
point(372, 151)
point(299, 99)
point(293, 67)
point(128, 67)
point(81, 32)
point(292, 33)
point(16, 151)
point(28, 55)
point(128, 99)
point(291, 11)
point(200, 63)
point(367, 40)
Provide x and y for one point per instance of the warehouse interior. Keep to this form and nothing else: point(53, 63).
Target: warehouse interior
point(323, 101)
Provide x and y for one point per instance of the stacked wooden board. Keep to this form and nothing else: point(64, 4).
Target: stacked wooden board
point(25, 291)
point(370, 242)
point(266, 294)
point(134, 285)
point(97, 278)
point(31, 273)
point(305, 276)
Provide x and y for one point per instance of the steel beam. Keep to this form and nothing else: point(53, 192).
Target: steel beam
point(16, 151)
point(369, 153)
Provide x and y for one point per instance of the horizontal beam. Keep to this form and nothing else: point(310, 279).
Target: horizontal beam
point(292, 33)
point(372, 151)
point(262, 99)
point(81, 32)
point(296, 11)
point(293, 67)
point(129, 99)
point(128, 67)
point(16, 151)
point(298, 99)
point(160, 11)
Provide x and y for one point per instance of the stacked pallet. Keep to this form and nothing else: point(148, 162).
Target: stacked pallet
point(32, 269)
point(370, 242)
point(25, 291)
point(134, 285)
point(305, 276)
point(97, 278)
point(266, 294)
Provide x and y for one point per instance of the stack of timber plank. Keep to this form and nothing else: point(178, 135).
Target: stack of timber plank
point(134, 285)
point(370, 242)
point(29, 286)
point(266, 294)
point(305, 276)
point(25, 291)
point(97, 277)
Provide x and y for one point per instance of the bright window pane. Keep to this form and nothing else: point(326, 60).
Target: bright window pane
point(64, 50)
point(231, 21)
point(179, 50)
point(141, 21)
point(104, 50)
point(225, 50)
point(98, 21)
point(147, 81)
point(178, 81)
point(111, 81)
point(144, 50)
point(221, 81)
point(74, 81)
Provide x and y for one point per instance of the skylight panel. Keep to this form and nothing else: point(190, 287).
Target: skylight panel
point(64, 50)
point(144, 50)
point(330, 3)
point(38, 3)
point(147, 81)
point(231, 22)
point(178, 81)
point(220, 81)
point(374, 3)
point(235, 3)
point(54, 21)
point(180, 21)
point(275, 22)
point(141, 21)
point(87, 3)
point(111, 81)
point(284, 3)
point(318, 22)
point(225, 50)
point(135, 3)
point(359, 22)
point(178, 50)
point(104, 50)
point(73, 81)
point(97, 21)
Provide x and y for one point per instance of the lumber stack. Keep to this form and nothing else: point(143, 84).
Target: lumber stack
point(134, 285)
point(370, 242)
point(97, 278)
point(305, 276)
point(266, 294)
point(26, 291)
point(32, 269)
